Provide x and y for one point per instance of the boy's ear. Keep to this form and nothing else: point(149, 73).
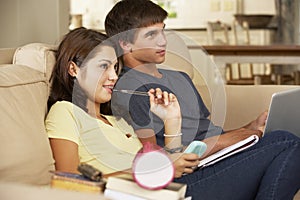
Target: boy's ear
point(126, 46)
point(73, 69)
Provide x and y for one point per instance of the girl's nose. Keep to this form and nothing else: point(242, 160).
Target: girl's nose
point(112, 76)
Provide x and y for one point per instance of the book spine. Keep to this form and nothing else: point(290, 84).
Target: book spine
point(76, 185)
point(77, 180)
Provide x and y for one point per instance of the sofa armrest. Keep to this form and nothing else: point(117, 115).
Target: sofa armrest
point(6, 55)
point(245, 103)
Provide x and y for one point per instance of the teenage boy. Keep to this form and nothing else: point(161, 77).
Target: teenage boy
point(138, 28)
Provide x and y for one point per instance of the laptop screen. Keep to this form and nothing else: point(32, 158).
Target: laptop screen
point(284, 112)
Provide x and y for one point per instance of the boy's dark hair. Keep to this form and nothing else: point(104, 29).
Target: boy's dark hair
point(128, 15)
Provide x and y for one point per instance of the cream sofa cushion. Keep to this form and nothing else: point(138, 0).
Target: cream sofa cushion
point(38, 56)
point(24, 151)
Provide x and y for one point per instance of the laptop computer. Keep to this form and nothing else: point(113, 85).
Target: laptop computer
point(284, 112)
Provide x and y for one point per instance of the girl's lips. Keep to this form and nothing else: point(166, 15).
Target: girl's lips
point(109, 88)
point(162, 52)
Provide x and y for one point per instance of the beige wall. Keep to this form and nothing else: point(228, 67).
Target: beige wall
point(24, 21)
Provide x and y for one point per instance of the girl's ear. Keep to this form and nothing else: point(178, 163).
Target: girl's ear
point(73, 69)
point(126, 46)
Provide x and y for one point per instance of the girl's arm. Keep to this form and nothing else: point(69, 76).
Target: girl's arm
point(65, 153)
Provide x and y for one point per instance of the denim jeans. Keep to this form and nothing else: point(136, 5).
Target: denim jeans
point(268, 170)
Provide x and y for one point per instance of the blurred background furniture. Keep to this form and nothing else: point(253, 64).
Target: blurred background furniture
point(251, 75)
point(287, 22)
point(217, 33)
point(272, 54)
point(240, 36)
point(237, 73)
point(254, 20)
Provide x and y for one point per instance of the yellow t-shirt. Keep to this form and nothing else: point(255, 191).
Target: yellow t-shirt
point(105, 147)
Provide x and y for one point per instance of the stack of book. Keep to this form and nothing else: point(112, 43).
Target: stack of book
point(125, 188)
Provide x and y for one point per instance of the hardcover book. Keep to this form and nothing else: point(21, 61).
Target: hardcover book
point(75, 182)
point(127, 187)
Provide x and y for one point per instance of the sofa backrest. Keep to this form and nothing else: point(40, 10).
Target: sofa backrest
point(177, 55)
point(25, 152)
point(178, 58)
point(6, 55)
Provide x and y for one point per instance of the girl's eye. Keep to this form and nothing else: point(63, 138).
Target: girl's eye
point(104, 65)
point(116, 67)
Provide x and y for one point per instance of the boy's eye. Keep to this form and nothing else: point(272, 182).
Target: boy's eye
point(151, 34)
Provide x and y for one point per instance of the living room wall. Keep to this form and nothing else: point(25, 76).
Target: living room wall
point(24, 21)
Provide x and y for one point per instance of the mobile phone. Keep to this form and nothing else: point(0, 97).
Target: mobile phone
point(196, 147)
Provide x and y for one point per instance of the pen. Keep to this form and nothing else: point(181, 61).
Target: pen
point(132, 92)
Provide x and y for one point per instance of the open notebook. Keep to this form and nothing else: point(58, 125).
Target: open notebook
point(228, 151)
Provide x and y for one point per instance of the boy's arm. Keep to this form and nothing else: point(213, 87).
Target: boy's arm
point(258, 123)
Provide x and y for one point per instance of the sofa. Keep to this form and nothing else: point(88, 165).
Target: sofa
point(25, 152)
